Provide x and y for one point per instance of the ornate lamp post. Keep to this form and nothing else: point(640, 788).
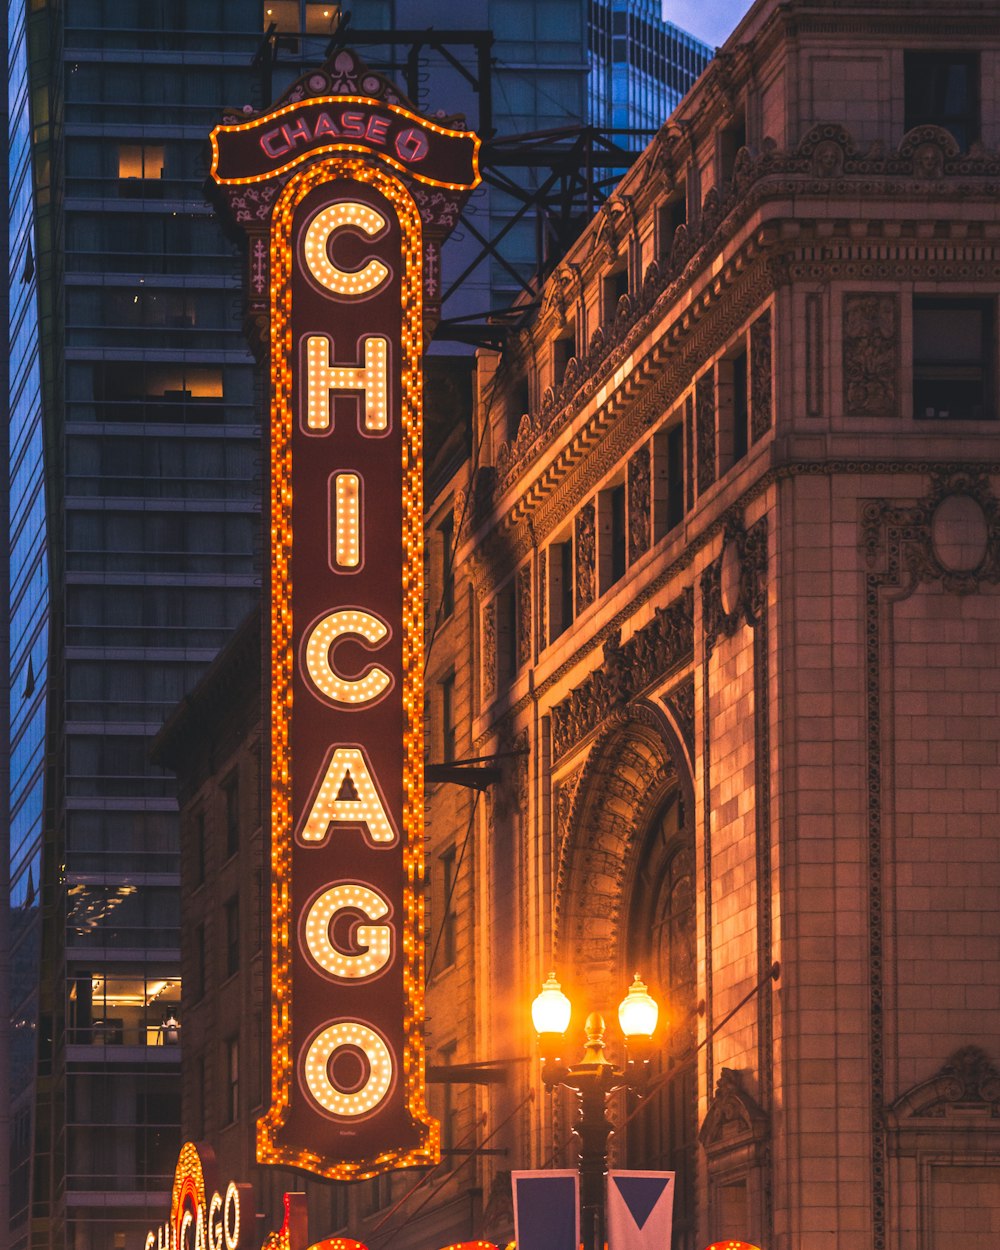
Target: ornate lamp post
point(593, 1080)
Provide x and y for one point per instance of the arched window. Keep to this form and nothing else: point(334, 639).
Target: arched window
point(663, 947)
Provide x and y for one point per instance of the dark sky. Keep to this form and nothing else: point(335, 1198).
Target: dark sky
point(710, 20)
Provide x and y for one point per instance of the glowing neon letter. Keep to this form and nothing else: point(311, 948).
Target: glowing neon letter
point(374, 940)
point(328, 808)
point(316, 245)
point(318, 1061)
point(348, 691)
point(371, 378)
point(347, 520)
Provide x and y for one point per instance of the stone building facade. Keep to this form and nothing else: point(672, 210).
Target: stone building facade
point(728, 608)
point(713, 621)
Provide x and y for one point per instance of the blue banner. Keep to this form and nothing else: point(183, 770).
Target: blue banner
point(546, 1210)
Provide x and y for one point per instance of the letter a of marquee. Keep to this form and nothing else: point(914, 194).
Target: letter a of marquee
point(342, 261)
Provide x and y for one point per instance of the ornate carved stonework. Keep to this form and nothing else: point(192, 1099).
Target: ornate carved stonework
point(564, 798)
point(638, 504)
point(680, 703)
point(704, 403)
point(524, 615)
point(720, 615)
point(908, 541)
point(541, 624)
point(489, 650)
point(734, 1123)
point(828, 163)
point(661, 646)
point(760, 376)
point(969, 1082)
point(871, 354)
point(586, 558)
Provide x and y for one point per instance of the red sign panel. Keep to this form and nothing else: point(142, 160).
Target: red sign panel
point(262, 148)
point(346, 680)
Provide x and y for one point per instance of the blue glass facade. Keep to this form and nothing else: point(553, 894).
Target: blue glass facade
point(28, 622)
point(135, 518)
point(640, 66)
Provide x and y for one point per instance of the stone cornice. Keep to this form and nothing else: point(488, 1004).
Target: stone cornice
point(826, 165)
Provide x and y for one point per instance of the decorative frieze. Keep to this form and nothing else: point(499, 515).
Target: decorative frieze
point(679, 702)
point(489, 650)
point(628, 669)
point(638, 504)
point(523, 641)
point(586, 557)
point(760, 376)
point(871, 354)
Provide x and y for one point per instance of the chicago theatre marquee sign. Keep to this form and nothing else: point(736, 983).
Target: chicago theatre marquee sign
point(345, 195)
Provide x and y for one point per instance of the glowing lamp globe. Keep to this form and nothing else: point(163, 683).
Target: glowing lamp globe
point(551, 1010)
point(638, 1012)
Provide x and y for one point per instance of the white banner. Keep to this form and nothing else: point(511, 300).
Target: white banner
point(640, 1210)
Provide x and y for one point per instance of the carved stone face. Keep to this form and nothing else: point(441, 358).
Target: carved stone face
point(828, 159)
point(928, 161)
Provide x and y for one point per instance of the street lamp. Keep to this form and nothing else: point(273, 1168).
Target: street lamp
point(593, 1080)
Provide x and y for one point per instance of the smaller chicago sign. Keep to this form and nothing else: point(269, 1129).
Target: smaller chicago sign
point(344, 257)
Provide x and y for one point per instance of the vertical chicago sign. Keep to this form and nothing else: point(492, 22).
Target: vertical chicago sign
point(345, 195)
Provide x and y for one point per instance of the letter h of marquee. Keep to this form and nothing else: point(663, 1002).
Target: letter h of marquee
point(337, 241)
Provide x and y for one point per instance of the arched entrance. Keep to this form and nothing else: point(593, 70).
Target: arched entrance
point(626, 902)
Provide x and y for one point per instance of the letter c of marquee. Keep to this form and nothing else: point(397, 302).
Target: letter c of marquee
point(348, 691)
point(316, 242)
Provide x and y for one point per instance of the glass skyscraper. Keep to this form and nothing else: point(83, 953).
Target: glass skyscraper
point(135, 531)
point(640, 66)
point(134, 522)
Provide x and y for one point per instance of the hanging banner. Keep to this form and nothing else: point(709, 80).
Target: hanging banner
point(546, 1209)
point(640, 1210)
point(338, 245)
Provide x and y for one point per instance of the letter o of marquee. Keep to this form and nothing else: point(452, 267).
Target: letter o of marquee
point(316, 241)
point(353, 896)
point(316, 1069)
point(348, 691)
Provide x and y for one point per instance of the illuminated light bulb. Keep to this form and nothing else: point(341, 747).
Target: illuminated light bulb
point(551, 1009)
point(638, 1011)
point(349, 896)
point(231, 1217)
point(316, 1069)
point(324, 376)
point(347, 512)
point(366, 809)
point(316, 248)
point(348, 691)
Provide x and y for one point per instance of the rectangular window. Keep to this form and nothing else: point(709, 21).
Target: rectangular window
point(449, 911)
point(198, 974)
point(518, 403)
point(231, 800)
point(668, 480)
point(611, 535)
point(615, 285)
point(232, 952)
point(671, 215)
point(560, 572)
point(731, 140)
point(942, 89)
point(232, 1088)
point(953, 359)
point(448, 717)
point(741, 407)
point(446, 531)
point(140, 160)
point(563, 348)
point(200, 848)
point(507, 659)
